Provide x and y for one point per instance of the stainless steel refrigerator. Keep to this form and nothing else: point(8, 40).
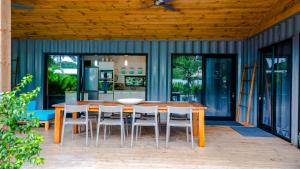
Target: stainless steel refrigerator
point(91, 80)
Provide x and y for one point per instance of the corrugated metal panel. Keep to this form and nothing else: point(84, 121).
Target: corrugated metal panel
point(32, 56)
point(289, 28)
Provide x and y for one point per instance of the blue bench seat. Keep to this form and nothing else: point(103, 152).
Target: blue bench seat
point(43, 115)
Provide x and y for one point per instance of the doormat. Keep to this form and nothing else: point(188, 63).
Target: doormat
point(252, 132)
point(221, 123)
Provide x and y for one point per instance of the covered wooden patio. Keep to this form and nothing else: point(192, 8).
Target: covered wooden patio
point(216, 35)
point(225, 149)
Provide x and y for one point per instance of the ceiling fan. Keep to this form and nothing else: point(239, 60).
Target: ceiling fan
point(163, 3)
point(21, 6)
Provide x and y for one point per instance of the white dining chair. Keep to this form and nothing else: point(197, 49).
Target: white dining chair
point(84, 120)
point(182, 122)
point(137, 123)
point(102, 121)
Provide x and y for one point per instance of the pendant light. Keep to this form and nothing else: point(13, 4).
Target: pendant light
point(125, 62)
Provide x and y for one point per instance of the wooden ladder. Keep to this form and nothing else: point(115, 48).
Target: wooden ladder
point(243, 81)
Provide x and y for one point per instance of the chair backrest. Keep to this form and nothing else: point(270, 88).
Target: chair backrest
point(111, 109)
point(145, 109)
point(180, 110)
point(69, 109)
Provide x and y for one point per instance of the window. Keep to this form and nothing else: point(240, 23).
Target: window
point(186, 78)
point(119, 76)
point(62, 76)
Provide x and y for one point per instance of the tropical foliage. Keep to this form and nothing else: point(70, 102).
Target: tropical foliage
point(58, 81)
point(186, 75)
point(18, 142)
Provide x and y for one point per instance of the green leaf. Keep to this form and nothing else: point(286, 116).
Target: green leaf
point(18, 143)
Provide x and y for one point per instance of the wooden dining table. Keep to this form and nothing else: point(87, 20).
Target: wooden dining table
point(198, 115)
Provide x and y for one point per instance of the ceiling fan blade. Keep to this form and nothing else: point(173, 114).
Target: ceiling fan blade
point(20, 6)
point(168, 7)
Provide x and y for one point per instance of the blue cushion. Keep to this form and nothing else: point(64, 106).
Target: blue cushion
point(43, 115)
point(31, 105)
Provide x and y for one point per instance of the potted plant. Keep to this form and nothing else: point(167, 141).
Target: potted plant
point(19, 144)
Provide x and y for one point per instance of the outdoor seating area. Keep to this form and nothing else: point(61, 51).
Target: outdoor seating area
point(224, 149)
point(162, 84)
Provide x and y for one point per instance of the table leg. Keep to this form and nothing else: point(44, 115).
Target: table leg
point(57, 125)
point(75, 127)
point(201, 129)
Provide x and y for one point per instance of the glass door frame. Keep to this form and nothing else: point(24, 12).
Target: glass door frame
point(45, 85)
point(272, 128)
point(234, 68)
point(261, 91)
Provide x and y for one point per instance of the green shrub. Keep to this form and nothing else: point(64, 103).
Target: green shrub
point(18, 142)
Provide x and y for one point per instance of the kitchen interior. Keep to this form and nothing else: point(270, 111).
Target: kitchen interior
point(113, 77)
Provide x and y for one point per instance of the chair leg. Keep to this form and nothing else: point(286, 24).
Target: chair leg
point(187, 133)
point(62, 134)
point(104, 137)
point(72, 134)
point(167, 135)
point(132, 134)
point(140, 131)
point(156, 135)
point(137, 133)
point(127, 126)
point(122, 133)
point(91, 129)
point(192, 136)
point(109, 130)
point(97, 137)
point(86, 133)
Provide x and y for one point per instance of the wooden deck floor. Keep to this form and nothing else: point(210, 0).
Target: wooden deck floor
point(225, 149)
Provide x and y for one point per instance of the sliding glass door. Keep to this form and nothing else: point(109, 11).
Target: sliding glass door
point(62, 75)
point(275, 95)
point(207, 79)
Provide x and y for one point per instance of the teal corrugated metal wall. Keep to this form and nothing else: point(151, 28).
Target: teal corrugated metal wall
point(32, 57)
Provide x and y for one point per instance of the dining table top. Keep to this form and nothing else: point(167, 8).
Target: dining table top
point(161, 105)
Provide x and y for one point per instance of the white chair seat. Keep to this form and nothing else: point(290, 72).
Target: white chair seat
point(183, 123)
point(181, 114)
point(147, 122)
point(105, 118)
point(110, 122)
point(75, 121)
point(148, 117)
point(83, 120)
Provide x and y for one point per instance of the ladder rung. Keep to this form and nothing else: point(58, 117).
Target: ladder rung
point(249, 67)
point(243, 106)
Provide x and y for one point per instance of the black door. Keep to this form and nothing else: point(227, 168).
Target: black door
point(275, 89)
point(219, 86)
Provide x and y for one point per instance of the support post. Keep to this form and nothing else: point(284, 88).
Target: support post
point(5, 45)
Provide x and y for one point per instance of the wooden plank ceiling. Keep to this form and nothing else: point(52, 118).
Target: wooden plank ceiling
point(128, 19)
